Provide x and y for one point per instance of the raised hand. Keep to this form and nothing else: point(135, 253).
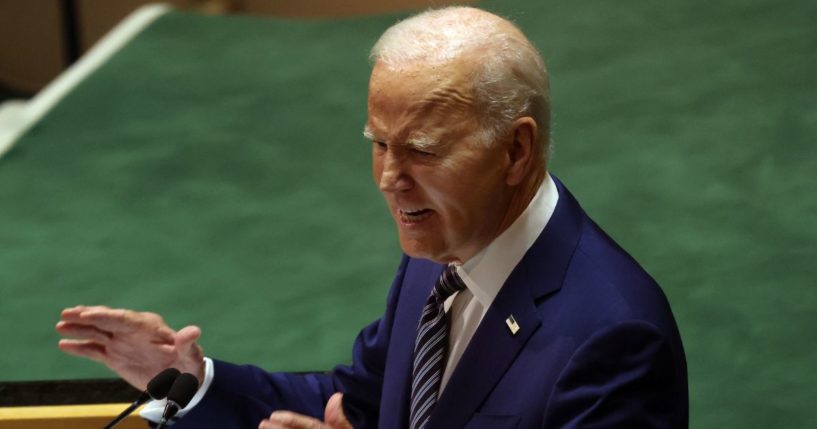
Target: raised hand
point(135, 345)
point(333, 418)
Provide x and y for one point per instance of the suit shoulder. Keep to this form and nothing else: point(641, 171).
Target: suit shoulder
point(609, 286)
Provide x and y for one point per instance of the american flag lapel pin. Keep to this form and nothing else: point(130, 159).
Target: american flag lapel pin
point(512, 325)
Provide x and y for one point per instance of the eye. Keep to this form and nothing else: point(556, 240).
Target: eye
point(379, 145)
point(423, 153)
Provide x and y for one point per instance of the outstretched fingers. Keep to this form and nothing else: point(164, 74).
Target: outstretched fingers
point(73, 313)
point(135, 345)
point(86, 332)
point(114, 320)
point(83, 348)
point(120, 322)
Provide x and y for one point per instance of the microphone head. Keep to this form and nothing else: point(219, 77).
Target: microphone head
point(160, 385)
point(183, 390)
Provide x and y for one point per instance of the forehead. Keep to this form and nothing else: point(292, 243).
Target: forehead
point(419, 99)
point(418, 81)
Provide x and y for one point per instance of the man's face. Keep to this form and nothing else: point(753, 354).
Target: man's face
point(445, 189)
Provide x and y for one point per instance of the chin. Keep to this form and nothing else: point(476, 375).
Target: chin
point(419, 251)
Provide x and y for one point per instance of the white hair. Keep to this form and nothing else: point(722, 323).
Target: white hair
point(509, 80)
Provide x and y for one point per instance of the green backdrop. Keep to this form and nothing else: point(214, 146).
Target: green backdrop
point(214, 171)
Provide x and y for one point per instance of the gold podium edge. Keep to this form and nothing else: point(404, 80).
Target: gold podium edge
point(68, 417)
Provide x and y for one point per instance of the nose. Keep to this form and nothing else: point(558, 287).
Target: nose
point(393, 174)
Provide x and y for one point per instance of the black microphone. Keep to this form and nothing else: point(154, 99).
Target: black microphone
point(180, 394)
point(157, 389)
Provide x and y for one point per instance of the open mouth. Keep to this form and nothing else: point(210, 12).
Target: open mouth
point(414, 216)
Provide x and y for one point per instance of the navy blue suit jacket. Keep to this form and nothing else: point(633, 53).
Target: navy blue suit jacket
point(597, 347)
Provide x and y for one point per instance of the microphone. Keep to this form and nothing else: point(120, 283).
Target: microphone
point(157, 389)
point(180, 394)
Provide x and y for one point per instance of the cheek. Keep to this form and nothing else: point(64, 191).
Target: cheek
point(450, 196)
point(453, 184)
point(377, 169)
point(466, 199)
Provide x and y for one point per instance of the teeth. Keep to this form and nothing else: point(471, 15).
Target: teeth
point(414, 216)
point(412, 212)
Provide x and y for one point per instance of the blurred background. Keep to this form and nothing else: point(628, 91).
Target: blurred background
point(40, 39)
point(211, 168)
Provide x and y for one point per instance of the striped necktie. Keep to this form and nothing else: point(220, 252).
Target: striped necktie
point(431, 349)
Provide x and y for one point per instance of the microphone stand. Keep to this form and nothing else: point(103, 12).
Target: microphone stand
point(139, 401)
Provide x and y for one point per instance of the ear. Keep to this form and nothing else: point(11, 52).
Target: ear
point(523, 149)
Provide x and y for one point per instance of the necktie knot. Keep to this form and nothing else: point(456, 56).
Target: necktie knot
point(448, 284)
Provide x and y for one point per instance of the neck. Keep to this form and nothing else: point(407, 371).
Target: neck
point(521, 197)
point(519, 200)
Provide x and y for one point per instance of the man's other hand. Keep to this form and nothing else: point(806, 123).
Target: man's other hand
point(333, 418)
point(137, 346)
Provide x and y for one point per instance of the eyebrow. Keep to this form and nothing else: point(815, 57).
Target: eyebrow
point(422, 142)
point(417, 142)
point(368, 134)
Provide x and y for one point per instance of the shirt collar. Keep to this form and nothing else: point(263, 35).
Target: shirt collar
point(486, 272)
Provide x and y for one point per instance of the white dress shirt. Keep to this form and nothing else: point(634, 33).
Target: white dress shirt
point(483, 275)
point(486, 272)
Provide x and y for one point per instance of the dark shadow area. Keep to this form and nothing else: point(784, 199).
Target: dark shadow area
point(66, 392)
point(7, 93)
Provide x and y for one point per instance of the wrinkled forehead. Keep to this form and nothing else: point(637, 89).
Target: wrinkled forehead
point(422, 102)
point(424, 75)
point(421, 90)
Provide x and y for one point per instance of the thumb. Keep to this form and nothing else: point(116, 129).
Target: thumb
point(333, 415)
point(189, 354)
point(187, 336)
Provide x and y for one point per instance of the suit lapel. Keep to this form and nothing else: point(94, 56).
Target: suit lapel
point(493, 348)
point(489, 354)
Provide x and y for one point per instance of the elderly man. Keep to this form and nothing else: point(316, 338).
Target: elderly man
point(510, 308)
